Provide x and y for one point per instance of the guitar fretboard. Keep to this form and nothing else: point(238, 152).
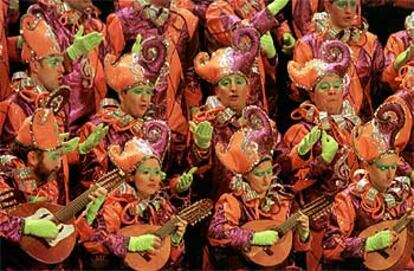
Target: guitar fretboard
point(110, 180)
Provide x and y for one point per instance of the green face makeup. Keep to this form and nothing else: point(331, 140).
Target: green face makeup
point(142, 90)
point(383, 167)
point(144, 170)
point(327, 85)
point(53, 61)
point(238, 81)
point(54, 155)
point(263, 172)
point(345, 3)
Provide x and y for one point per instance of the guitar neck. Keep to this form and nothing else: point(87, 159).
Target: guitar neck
point(288, 225)
point(110, 181)
point(167, 229)
point(312, 209)
point(402, 223)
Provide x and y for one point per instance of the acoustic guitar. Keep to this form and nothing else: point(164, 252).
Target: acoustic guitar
point(395, 257)
point(276, 254)
point(138, 261)
point(56, 250)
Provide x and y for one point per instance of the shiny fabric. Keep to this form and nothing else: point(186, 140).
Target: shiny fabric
point(85, 77)
point(122, 127)
point(226, 236)
point(367, 63)
point(121, 208)
point(396, 44)
point(21, 177)
point(218, 176)
point(179, 31)
point(352, 213)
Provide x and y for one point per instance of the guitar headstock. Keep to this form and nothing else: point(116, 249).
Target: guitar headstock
point(318, 207)
point(111, 180)
point(8, 200)
point(197, 211)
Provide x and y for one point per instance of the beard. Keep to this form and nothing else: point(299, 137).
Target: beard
point(43, 172)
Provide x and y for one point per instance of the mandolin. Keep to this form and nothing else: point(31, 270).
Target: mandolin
point(56, 250)
point(138, 261)
point(397, 256)
point(276, 254)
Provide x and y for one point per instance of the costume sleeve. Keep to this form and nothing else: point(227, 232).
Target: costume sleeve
point(200, 158)
point(394, 47)
point(224, 229)
point(115, 34)
point(340, 242)
point(11, 119)
point(221, 20)
point(192, 91)
point(94, 163)
point(11, 227)
point(101, 236)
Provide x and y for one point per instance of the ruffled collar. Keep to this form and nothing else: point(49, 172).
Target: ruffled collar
point(381, 205)
point(122, 121)
point(249, 196)
point(310, 113)
point(350, 35)
point(347, 113)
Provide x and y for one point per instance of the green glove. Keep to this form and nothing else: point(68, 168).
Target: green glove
point(378, 241)
point(70, 146)
point(92, 209)
point(141, 243)
point(203, 133)
point(329, 147)
point(288, 43)
point(93, 139)
point(265, 238)
point(266, 43)
point(403, 57)
point(83, 44)
point(176, 239)
point(186, 180)
point(306, 144)
point(136, 48)
point(40, 228)
point(276, 6)
point(412, 176)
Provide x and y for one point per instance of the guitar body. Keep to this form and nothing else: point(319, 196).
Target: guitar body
point(155, 262)
point(58, 249)
point(395, 257)
point(270, 256)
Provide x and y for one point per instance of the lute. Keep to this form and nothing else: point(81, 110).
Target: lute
point(137, 261)
point(396, 256)
point(56, 250)
point(276, 254)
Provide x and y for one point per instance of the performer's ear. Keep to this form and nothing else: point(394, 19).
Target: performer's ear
point(32, 158)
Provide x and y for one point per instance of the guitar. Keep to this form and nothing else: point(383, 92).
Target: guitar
point(395, 257)
point(138, 261)
point(56, 250)
point(276, 254)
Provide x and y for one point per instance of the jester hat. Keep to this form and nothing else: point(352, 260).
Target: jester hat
point(250, 145)
point(385, 133)
point(39, 41)
point(40, 131)
point(147, 68)
point(334, 57)
point(154, 145)
point(237, 59)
